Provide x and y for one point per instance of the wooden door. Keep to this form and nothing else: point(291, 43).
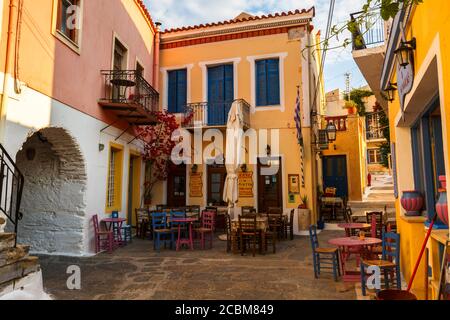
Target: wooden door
point(176, 186)
point(270, 188)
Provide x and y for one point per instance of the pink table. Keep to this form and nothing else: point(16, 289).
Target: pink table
point(109, 222)
point(353, 226)
point(189, 241)
point(349, 246)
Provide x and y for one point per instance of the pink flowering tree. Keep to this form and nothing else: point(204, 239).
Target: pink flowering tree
point(158, 147)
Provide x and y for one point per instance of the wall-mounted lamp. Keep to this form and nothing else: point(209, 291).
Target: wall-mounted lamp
point(331, 132)
point(101, 147)
point(404, 52)
point(390, 91)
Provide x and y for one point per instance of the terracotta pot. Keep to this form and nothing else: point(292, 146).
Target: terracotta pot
point(443, 181)
point(441, 205)
point(351, 111)
point(412, 202)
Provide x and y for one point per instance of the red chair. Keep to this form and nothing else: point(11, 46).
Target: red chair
point(104, 240)
point(207, 228)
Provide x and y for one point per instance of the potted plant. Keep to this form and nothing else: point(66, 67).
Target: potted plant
point(412, 202)
point(350, 106)
point(304, 204)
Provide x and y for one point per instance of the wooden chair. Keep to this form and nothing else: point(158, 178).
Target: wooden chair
point(326, 212)
point(379, 222)
point(276, 225)
point(232, 237)
point(341, 212)
point(324, 258)
point(142, 222)
point(207, 228)
point(161, 207)
point(104, 240)
point(270, 238)
point(248, 233)
point(389, 263)
point(248, 210)
point(161, 231)
point(289, 226)
point(275, 210)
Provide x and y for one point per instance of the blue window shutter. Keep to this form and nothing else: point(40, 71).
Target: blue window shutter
point(172, 91)
point(229, 88)
point(261, 83)
point(181, 90)
point(273, 82)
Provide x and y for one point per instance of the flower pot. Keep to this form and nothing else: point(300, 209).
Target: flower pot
point(443, 181)
point(412, 202)
point(441, 205)
point(351, 111)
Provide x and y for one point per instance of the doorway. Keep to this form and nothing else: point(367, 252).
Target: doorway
point(134, 188)
point(335, 174)
point(270, 188)
point(176, 186)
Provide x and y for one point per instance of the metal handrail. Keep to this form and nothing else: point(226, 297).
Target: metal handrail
point(370, 30)
point(11, 189)
point(129, 87)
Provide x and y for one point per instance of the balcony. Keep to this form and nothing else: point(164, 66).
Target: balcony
point(369, 48)
point(375, 135)
point(340, 122)
point(129, 96)
point(212, 115)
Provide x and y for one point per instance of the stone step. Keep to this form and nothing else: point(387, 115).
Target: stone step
point(11, 255)
point(374, 204)
point(7, 240)
point(19, 269)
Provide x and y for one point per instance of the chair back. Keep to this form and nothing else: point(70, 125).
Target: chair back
point(330, 192)
point(161, 207)
point(379, 222)
point(159, 220)
point(247, 224)
point(177, 215)
point(275, 210)
point(208, 218)
point(115, 215)
point(313, 237)
point(141, 214)
point(194, 210)
point(348, 215)
point(228, 220)
point(291, 217)
point(96, 225)
point(275, 221)
point(391, 247)
point(248, 210)
point(211, 209)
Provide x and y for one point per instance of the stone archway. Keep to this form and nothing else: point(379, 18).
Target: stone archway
point(54, 196)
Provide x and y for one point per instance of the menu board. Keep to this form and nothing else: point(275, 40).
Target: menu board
point(196, 185)
point(245, 184)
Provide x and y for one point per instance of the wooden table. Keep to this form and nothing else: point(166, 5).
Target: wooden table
point(190, 240)
point(110, 222)
point(349, 227)
point(334, 202)
point(262, 225)
point(349, 246)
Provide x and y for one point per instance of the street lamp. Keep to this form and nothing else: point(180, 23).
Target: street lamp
point(390, 91)
point(403, 52)
point(331, 132)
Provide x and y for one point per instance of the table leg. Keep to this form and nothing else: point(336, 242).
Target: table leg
point(179, 237)
point(191, 239)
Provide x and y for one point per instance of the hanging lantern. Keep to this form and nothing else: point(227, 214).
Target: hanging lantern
point(390, 91)
point(404, 52)
point(331, 131)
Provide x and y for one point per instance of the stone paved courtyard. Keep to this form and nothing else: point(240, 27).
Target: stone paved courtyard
point(137, 272)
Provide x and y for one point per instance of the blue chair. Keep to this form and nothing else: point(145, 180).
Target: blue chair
point(126, 229)
point(324, 258)
point(389, 263)
point(161, 231)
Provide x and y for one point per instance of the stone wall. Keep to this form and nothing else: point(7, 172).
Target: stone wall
point(53, 202)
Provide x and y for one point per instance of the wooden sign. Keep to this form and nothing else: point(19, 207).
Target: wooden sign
point(405, 82)
point(245, 184)
point(196, 185)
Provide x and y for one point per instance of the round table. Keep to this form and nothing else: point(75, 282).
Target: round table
point(349, 227)
point(189, 241)
point(352, 245)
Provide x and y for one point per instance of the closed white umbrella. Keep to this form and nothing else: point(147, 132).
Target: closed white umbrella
point(235, 127)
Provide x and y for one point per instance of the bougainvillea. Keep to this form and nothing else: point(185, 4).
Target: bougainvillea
point(158, 146)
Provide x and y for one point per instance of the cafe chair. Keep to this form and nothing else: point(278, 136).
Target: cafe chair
point(248, 210)
point(142, 222)
point(248, 234)
point(232, 237)
point(125, 232)
point(104, 240)
point(276, 225)
point(324, 258)
point(161, 231)
point(379, 222)
point(207, 228)
point(389, 263)
point(289, 226)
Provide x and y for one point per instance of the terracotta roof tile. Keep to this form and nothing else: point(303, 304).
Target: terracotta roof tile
point(244, 19)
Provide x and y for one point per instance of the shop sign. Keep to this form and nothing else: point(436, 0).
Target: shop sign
point(405, 81)
point(245, 184)
point(196, 185)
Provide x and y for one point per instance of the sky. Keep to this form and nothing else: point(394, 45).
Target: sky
point(177, 13)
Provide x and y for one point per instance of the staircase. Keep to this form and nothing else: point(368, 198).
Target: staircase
point(19, 272)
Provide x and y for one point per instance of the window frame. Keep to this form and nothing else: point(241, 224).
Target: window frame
point(74, 45)
point(267, 84)
point(118, 178)
point(377, 156)
point(176, 111)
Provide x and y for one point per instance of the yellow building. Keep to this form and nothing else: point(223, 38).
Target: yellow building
point(259, 61)
point(419, 117)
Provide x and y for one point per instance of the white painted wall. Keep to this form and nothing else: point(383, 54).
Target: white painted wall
point(31, 111)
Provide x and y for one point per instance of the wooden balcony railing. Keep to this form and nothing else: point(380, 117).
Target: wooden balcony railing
point(340, 122)
point(212, 114)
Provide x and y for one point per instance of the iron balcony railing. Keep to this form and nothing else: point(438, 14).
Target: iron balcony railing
point(11, 189)
point(212, 114)
point(369, 30)
point(123, 87)
point(375, 135)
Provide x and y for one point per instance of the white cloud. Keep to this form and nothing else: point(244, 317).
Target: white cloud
point(177, 13)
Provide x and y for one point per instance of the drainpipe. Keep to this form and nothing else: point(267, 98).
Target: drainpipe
point(8, 66)
point(156, 56)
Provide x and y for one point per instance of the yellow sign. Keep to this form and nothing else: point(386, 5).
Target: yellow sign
point(196, 185)
point(245, 182)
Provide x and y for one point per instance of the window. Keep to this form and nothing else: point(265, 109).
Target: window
point(68, 19)
point(374, 130)
point(177, 90)
point(114, 185)
point(374, 156)
point(120, 56)
point(267, 82)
